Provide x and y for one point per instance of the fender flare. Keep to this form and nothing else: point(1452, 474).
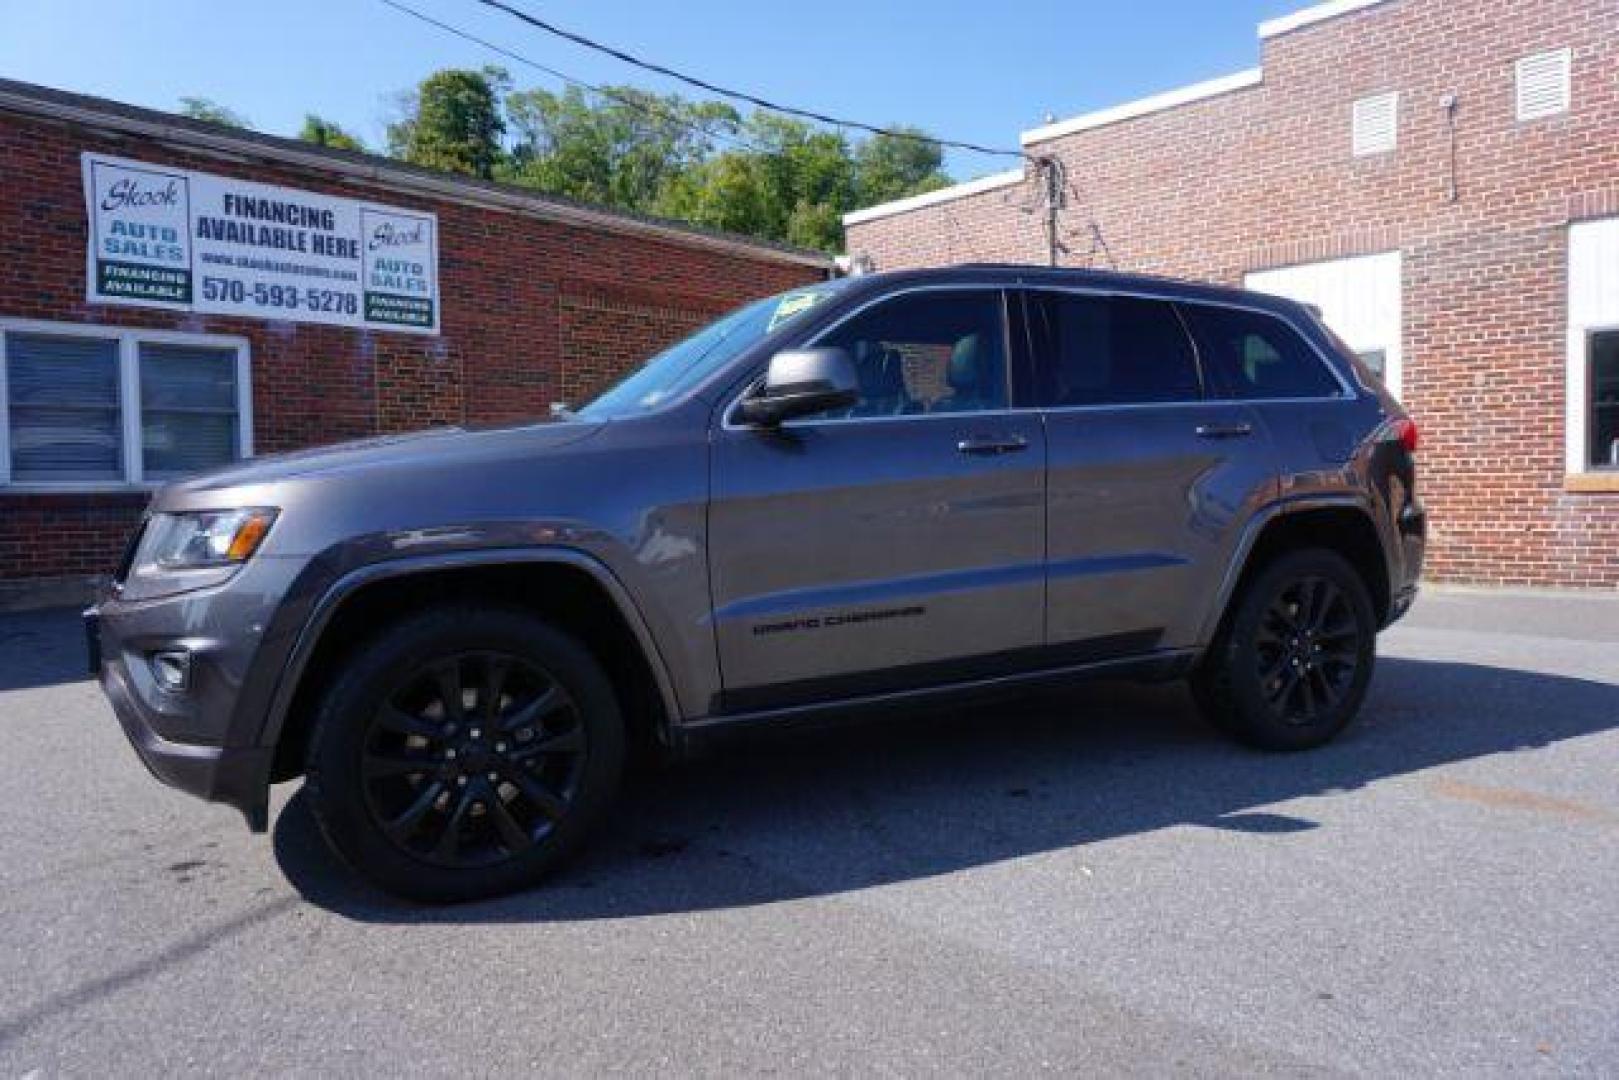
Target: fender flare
point(315, 625)
point(1256, 526)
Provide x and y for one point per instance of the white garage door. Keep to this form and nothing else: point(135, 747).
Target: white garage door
point(1359, 298)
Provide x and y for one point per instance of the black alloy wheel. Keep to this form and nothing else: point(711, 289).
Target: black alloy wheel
point(1291, 663)
point(474, 760)
point(464, 752)
point(1307, 648)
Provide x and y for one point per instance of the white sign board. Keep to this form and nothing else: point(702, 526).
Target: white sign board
point(191, 241)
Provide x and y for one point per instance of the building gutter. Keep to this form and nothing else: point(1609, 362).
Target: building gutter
point(931, 198)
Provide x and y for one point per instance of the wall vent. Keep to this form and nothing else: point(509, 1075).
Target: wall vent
point(1376, 124)
point(1543, 84)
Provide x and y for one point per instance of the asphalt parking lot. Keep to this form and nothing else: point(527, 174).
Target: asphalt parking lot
point(1085, 881)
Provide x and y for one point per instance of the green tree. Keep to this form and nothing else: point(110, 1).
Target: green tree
point(201, 108)
point(794, 186)
point(893, 167)
point(323, 132)
point(454, 122)
point(725, 192)
point(622, 148)
point(763, 175)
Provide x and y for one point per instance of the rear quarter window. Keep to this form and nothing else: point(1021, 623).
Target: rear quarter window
point(1255, 356)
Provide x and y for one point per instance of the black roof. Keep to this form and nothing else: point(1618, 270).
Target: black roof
point(1033, 274)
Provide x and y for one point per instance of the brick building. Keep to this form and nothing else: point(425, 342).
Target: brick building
point(118, 370)
point(1441, 178)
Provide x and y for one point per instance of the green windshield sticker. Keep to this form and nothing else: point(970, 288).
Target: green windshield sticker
point(793, 304)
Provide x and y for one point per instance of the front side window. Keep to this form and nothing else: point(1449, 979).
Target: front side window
point(113, 408)
point(1257, 356)
point(1604, 404)
point(940, 351)
point(1109, 350)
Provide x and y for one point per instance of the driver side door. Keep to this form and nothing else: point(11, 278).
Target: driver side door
point(896, 544)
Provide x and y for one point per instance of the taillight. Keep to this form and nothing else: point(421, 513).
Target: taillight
point(1405, 430)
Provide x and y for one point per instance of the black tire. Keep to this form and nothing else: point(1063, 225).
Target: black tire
point(1294, 656)
point(491, 741)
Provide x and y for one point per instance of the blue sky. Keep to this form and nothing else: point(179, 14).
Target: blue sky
point(974, 71)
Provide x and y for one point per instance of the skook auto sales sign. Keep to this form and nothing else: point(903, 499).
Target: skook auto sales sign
point(192, 241)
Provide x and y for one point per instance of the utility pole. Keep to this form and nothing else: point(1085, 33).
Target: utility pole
point(1053, 207)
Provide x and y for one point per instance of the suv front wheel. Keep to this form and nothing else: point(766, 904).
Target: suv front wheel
point(463, 752)
point(1291, 664)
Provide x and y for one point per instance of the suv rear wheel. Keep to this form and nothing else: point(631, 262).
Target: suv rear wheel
point(463, 753)
point(1290, 666)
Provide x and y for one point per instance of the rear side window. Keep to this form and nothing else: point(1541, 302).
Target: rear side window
point(1256, 356)
point(1109, 350)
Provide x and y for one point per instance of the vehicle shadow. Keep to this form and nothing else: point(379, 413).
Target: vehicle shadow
point(41, 648)
point(786, 816)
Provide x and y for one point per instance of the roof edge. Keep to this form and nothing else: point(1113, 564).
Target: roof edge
point(1311, 15)
point(29, 99)
point(929, 198)
point(1130, 110)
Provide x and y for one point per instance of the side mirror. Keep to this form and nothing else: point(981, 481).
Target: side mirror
point(800, 382)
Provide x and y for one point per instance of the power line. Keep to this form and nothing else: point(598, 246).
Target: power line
point(1046, 164)
point(740, 95)
point(626, 100)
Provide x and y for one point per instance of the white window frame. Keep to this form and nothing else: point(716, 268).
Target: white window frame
point(129, 395)
point(1593, 308)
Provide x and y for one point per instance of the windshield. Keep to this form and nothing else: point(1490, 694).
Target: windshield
point(684, 365)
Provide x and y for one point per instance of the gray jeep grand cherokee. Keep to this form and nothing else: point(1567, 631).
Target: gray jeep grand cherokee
point(876, 491)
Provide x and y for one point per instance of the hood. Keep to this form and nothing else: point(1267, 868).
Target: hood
point(433, 447)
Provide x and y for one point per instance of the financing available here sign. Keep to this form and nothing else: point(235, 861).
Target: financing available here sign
point(191, 241)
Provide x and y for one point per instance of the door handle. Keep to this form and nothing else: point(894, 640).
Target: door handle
point(1224, 431)
point(992, 446)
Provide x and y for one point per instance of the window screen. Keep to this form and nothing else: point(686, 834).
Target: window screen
point(63, 408)
point(931, 352)
point(1257, 356)
point(1109, 350)
point(188, 408)
point(1604, 423)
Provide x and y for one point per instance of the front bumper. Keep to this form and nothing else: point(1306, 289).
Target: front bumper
point(236, 776)
point(204, 737)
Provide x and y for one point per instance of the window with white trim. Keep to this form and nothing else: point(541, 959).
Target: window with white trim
point(1591, 422)
point(101, 407)
point(1543, 84)
point(1602, 397)
point(1376, 124)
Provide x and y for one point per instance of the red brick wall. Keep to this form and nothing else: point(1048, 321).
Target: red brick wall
point(1264, 177)
point(501, 355)
point(598, 326)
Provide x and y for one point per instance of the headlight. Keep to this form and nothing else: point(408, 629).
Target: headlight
point(205, 540)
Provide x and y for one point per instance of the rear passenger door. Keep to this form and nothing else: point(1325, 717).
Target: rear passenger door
point(1150, 474)
point(1306, 408)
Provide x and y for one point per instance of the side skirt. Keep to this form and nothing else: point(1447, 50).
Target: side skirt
point(1161, 666)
